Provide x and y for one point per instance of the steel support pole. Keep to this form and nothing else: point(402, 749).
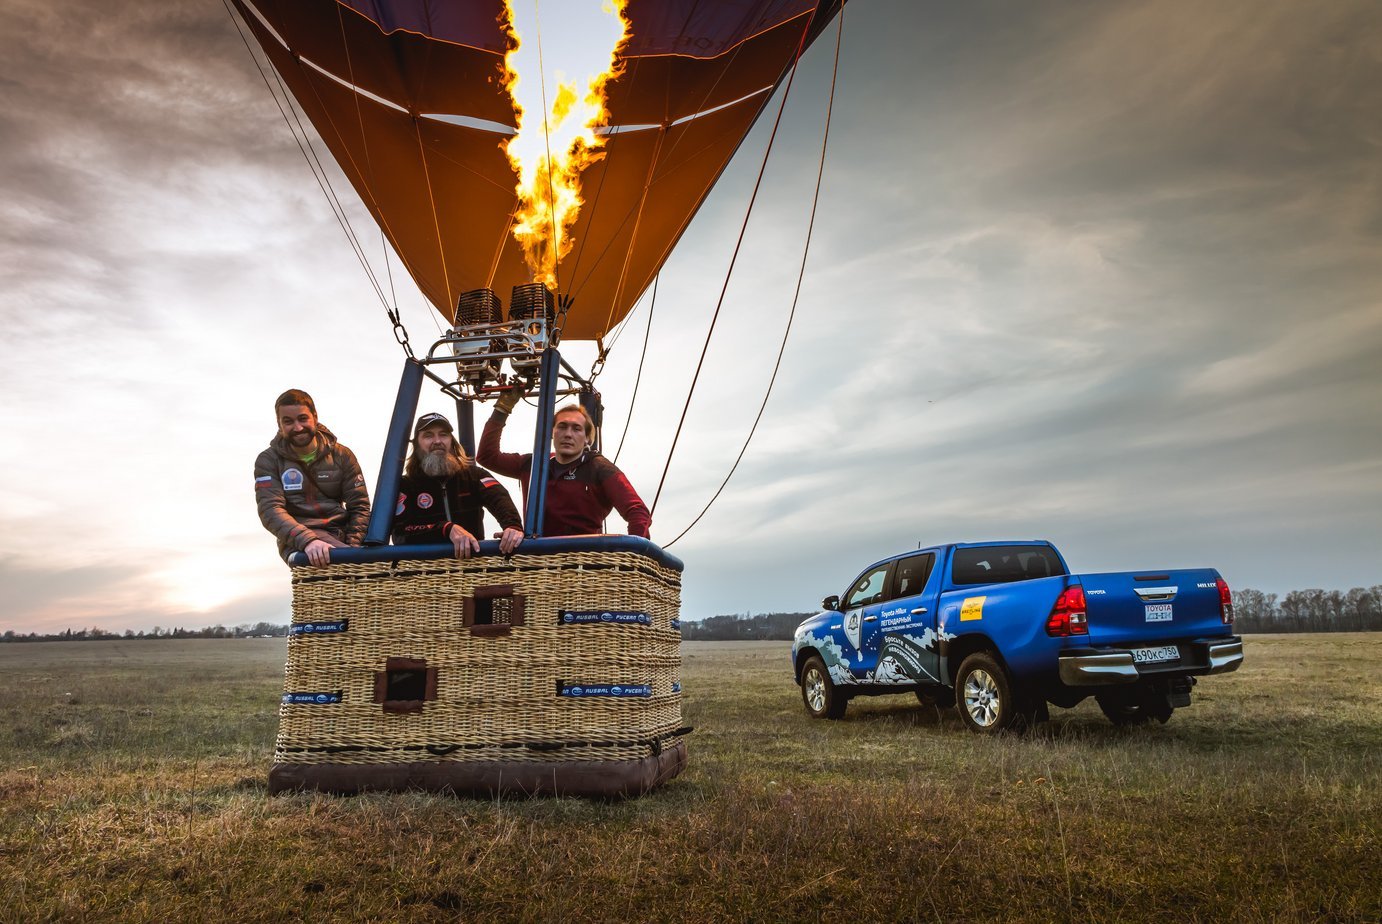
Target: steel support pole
point(590, 400)
point(465, 425)
point(395, 451)
point(542, 441)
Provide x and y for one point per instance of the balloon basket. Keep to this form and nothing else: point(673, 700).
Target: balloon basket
point(556, 671)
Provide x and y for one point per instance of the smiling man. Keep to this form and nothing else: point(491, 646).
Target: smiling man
point(442, 493)
point(309, 488)
point(583, 486)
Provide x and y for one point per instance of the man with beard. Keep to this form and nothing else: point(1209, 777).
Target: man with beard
point(309, 488)
point(442, 492)
point(582, 486)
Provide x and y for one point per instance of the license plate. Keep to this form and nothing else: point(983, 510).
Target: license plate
point(1158, 612)
point(1156, 655)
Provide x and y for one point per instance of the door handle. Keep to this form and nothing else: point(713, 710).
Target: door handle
point(870, 619)
point(919, 611)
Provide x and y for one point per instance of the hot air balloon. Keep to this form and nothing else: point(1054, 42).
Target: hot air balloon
point(556, 669)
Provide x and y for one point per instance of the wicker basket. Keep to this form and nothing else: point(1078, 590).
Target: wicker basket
point(556, 670)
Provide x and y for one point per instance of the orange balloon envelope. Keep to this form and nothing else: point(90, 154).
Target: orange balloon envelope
point(410, 98)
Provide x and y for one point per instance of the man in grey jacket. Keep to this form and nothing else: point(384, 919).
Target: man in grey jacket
point(309, 488)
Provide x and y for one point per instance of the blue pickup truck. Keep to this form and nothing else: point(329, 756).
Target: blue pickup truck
point(1001, 629)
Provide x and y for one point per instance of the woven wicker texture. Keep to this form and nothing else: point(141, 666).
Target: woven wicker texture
point(497, 696)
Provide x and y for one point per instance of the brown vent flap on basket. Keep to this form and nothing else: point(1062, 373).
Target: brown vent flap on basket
point(405, 684)
point(493, 610)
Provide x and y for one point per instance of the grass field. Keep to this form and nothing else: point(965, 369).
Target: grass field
point(133, 788)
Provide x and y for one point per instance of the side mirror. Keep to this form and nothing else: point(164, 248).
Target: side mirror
point(831, 602)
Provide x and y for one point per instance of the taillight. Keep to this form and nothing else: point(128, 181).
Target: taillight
point(1225, 602)
point(1068, 615)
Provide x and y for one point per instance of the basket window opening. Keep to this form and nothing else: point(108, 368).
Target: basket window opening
point(493, 610)
point(405, 684)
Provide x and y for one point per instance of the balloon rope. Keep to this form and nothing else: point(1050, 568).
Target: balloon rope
point(801, 273)
point(801, 47)
point(314, 164)
point(547, 140)
point(639, 377)
point(637, 224)
point(309, 154)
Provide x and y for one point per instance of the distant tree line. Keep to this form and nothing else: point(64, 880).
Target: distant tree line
point(746, 628)
point(96, 634)
point(1356, 610)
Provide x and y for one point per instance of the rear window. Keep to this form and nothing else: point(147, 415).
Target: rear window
point(1003, 564)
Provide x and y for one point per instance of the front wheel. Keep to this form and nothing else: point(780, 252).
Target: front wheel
point(822, 698)
point(987, 701)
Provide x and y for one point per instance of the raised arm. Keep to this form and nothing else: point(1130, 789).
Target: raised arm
point(488, 453)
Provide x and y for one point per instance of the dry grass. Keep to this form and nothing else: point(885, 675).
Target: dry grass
point(134, 789)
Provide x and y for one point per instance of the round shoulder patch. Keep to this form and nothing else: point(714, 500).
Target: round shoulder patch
point(424, 501)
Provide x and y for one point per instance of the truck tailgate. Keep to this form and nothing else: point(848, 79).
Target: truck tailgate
point(1136, 607)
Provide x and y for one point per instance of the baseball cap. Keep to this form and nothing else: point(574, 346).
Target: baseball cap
point(427, 420)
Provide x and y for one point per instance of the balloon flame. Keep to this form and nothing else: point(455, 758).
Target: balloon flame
point(549, 154)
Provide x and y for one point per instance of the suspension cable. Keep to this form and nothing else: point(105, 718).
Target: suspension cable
point(319, 173)
point(743, 228)
point(639, 377)
point(801, 273)
point(547, 140)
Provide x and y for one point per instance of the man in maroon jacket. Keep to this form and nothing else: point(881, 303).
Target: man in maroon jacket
point(582, 487)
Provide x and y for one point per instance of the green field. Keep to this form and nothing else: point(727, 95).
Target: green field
point(134, 788)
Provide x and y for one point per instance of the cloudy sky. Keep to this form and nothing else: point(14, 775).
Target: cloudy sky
point(1104, 273)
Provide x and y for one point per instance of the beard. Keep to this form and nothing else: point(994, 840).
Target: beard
point(440, 464)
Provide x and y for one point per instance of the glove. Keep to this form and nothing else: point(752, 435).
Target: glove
point(509, 399)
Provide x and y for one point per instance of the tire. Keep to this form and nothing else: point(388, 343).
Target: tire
point(823, 700)
point(1134, 707)
point(986, 699)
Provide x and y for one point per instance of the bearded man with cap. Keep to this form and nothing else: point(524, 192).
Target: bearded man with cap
point(442, 493)
point(308, 487)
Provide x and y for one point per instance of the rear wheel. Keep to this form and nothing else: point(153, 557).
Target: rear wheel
point(822, 698)
point(987, 701)
point(1134, 707)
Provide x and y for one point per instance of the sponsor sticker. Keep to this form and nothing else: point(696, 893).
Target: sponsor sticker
point(973, 608)
point(609, 617)
point(616, 690)
point(1158, 612)
point(424, 501)
point(292, 479)
point(311, 699)
point(319, 628)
